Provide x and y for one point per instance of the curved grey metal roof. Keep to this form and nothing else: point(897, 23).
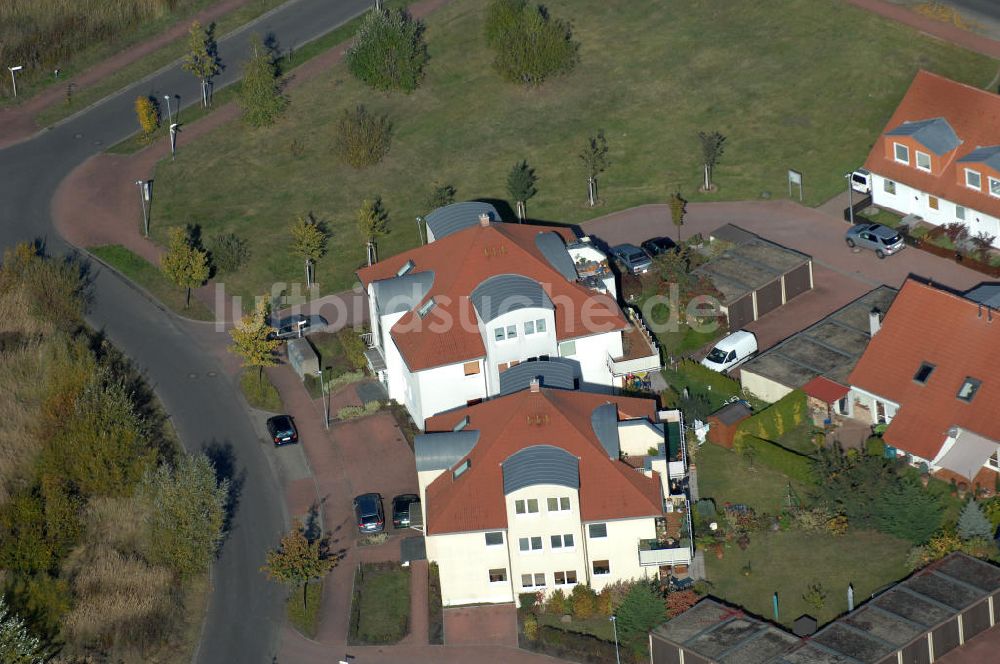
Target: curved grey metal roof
point(440, 451)
point(558, 372)
point(554, 249)
point(449, 219)
point(540, 464)
point(604, 421)
point(988, 155)
point(402, 293)
point(504, 293)
point(935, 134)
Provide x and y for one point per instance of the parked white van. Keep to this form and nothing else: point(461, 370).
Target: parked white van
point(731, 351)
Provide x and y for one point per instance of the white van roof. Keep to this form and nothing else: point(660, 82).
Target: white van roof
point(735, 340)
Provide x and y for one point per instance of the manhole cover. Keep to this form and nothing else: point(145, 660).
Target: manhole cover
point(77, 135)
point(211, 374)
point(192, 375)
point(98, 142)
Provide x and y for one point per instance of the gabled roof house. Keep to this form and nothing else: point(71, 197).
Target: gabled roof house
point(932, 374)
point(939, 156)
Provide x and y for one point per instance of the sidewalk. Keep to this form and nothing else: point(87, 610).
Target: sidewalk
point(939, 29)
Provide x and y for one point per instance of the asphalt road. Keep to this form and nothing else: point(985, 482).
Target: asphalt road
point(245, 611)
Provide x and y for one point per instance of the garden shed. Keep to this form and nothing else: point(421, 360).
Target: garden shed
point(302, 357)
point(723, 423)
point(755, 276)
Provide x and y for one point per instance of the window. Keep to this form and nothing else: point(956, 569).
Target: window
point(993, 462)
point(598, 530)
point(562, 578)
point(968, 389)
point(407, 266)
point(923, 161)
point(540, 325)
point(889, 187)
point(973, 179)
point(567, 348)
point(512, 331)
point(530, 544)
point(536, 580)
point(602, 567)
point(499, 334)
point(426, 307)
point(902, 153)
point(994, 186)
point(471, 368)
point(494, 539)
point(529, 506)
point(960, 212)
point(527, 581)
point(540, 579)
point(932, 202)
point(529, 327)
point(498, 575)
point(562, 541)
point(923, 373)
point(564, 503)
point(502, 367)
point(461, 469)
point(558, 504)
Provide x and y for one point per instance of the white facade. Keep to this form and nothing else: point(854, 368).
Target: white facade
point(932, 209)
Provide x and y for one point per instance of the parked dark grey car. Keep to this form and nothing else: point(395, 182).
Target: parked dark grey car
point(883, 240)
point(295, 326)
point(632, 258)
point(368, 510)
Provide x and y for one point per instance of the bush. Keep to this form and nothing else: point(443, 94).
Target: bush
point(583, 601)
point(875, 446)
point(389, 52)
point(530, 626)
point(354, 412)
point(362, 138)
point(640, 611)
point(528, 602)
point(530, 45)
point(777, 419)
point(435, 610)
point(228, 252)
point(574, 646)
point(354, 348)
point(556, 603)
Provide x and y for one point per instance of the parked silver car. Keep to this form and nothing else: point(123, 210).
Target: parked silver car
point(632, 258)
point(883, 240)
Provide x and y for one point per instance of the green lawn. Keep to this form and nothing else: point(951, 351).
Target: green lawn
point(715, 386)
point(259, 391)
point(773, 77)
point(381, 609)
point(598, 626)
point(148, 276)
point(786, 562)
point(726, 477)
point(304, 616)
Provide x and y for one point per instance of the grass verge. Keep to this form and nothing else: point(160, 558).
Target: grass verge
point(380, 611)
point(260, 393)
point(140, 271)
point(598, 626)
point(435, 610)
point(305, 618)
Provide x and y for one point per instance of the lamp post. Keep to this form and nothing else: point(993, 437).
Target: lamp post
point(614, 627)
point(420, 229)
point(170, 119)
point(174, 128)
point(850, 199)
point(13, 77)
point(145, 193)
point(326, 403)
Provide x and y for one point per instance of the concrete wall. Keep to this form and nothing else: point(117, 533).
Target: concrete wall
point(447, 387)
point(763, 387)
point(592, 353)
point(464, 561)
point(621, 549)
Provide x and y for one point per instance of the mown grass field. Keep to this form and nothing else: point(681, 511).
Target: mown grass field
point(803, 84)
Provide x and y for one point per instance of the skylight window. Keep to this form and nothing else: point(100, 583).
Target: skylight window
point(464, 466)
point(923, 373)
point(969, 388)
point(426, 307)
point(409, 265)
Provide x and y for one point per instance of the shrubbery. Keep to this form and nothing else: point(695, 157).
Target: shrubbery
point(389, 52)
point(530, 45)
point(362, 138)
point(353, 412)
point(229, 252)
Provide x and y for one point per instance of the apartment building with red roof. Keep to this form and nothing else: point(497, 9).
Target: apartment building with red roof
point(450, 317)
point(939, 156)
point(546, 488)
point(932, 374)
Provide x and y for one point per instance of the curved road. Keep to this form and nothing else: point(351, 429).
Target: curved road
point(245, 611)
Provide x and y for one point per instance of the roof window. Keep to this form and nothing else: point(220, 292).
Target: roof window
point(969, 388)
point(464, 466)
point(409, 265)
point(923, 373)
point(426, 307)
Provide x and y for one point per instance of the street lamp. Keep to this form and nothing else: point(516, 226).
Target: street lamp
point(850, 199)
point(13, 78)
point(174, 128)
point(325, 395)
point(170, 119)
point(614, 627)
point(145, 192)
point(420, 229)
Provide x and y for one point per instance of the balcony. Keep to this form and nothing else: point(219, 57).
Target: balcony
point(656, 553)
point(641, 352)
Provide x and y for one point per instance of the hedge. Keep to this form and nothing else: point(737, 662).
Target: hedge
point(435, 610)
point(574, 646)
point(791, 464)
point(777, 419)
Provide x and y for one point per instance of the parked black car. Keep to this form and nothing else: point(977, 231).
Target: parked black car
point(282, 430)
point(293, 327)
point(658, 245)
point(368, 510)
point(401, 509)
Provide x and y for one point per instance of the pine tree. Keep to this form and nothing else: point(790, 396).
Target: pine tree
point(973, 524)
point(297, 560)
point(521, 186)
point(17, 644)
point(373, 223)
point(309, 238)
point(253, 339)
point(202, 58)
point(642, 609)
point(185, 264)
point(260, 94)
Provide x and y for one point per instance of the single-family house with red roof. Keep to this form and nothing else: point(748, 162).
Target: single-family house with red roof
point(939, 156)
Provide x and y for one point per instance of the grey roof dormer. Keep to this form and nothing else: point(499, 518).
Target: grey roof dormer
point(935, 134)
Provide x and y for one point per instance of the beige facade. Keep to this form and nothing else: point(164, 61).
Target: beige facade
point(762, 387)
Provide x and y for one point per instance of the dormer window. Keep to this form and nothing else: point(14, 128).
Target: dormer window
point(968, 390)
point(973, 180)
point(994, 186)
point(923, 161)
point(902, 153)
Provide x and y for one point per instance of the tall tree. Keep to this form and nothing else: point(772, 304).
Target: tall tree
point(373, 223)
point(254, 339)
point(202, 58)
point(299, 560)
point(147, 110)
point(973, 524)
point(185, 264)
point(531, 46)
point(309, 239)
point(642, 609)
point(595, 161)
point(521, 186)
point(712, 147)
point(260, 94)
point(17, 644)
point(678, 208)
point(187, 512)
point(389, 52)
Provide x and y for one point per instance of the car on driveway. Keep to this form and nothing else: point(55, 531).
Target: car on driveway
point(282, 430)
point(632, 258)
point(292, 327)
point(658, 246)
point(884, 241)
point(401, 509)
point(368, 511)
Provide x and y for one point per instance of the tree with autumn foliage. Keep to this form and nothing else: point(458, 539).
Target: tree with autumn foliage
point(254, 339)
point(309, 238)
point(299, 560)
point(147, 110)
point(185, 264)
point(679, 601)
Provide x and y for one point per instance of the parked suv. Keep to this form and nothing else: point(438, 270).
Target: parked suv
point(368, 510)
point(883, 240)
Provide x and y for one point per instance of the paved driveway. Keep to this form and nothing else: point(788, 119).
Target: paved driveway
point(493, 624)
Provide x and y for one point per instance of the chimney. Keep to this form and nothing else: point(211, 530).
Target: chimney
point(534, 386)
point(484, 220)
point(874, 321)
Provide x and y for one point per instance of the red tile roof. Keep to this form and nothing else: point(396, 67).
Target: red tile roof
point(824, 389)
point(609, 489)
point(973, 114)
point(927, 324)
point(461, 262)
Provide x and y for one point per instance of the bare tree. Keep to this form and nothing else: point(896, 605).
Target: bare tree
point(595, 161)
